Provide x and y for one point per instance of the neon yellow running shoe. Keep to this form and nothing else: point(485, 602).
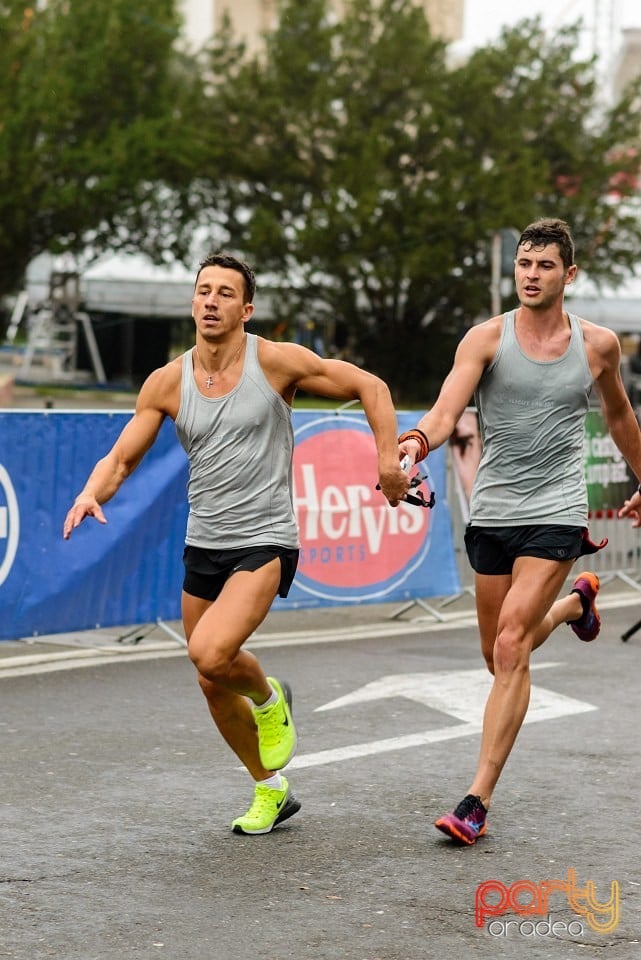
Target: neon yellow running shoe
point(270, 807)
point(276, 730)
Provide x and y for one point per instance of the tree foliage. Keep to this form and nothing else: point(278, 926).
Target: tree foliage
point(94, 102)
point(371, 175)
point(350, 159)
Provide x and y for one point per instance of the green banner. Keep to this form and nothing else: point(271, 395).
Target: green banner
point(607, 475)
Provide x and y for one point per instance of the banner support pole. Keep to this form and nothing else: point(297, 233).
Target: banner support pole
point(417, 603)
point(171, 632)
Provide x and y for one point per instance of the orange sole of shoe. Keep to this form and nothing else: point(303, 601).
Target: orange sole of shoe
point(452, 832)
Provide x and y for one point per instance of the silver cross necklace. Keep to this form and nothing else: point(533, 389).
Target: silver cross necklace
point(209, 382)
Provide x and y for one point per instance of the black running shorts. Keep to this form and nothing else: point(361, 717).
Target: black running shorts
point(493, 550)
point(206, 571)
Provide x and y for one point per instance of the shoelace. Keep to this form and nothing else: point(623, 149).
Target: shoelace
point(261, 800)
point(270, 723)
point(468, 806)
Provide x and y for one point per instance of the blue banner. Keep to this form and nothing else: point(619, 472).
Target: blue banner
point(355, 548)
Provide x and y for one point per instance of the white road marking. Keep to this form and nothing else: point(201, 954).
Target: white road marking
point(30, 664)
point(84, 656)
point(458, 693)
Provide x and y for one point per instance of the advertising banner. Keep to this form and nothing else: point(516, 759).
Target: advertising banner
point(466, 447)
point(608, 477)
point(125, 572)
point(355, 548)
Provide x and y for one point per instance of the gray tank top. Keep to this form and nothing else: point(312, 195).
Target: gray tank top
point(240, 450)
point(531, 415)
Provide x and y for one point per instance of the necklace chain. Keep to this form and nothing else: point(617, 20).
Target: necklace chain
point(209, 382)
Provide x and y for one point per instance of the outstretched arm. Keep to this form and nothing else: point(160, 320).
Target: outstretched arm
point(617, 410)
point(291, 367)
point(475, 351)
point(344, 381)
point(112, 470)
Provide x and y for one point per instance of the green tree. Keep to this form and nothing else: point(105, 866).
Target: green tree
point(371, 175)
point(94, 118)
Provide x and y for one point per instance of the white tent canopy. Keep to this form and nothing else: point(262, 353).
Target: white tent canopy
point(119, 283)
point(134, 286)
point(619, 309)
point(131, 284)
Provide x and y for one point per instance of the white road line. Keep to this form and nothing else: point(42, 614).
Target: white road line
point(76, 660)
point(45, 662)
point(384, 746)
point(457, 693)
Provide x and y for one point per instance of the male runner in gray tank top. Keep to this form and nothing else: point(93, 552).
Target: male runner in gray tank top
point(531, 371)
point(230, 397)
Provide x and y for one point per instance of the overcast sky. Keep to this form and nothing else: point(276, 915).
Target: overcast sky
point(484, 19)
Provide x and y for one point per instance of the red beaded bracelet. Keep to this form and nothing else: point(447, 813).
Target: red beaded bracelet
point(421, 439)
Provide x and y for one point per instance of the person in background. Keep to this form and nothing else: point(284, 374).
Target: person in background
point(230, 396)
point(531, 372)
point(466, 447)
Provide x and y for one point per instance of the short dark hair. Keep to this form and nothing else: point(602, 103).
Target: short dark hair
point(549, 230)
point(230, 262)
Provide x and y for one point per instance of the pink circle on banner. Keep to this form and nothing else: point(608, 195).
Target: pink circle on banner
point(350, 535)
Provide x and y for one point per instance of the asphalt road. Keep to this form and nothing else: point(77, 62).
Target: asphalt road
point(117, 795)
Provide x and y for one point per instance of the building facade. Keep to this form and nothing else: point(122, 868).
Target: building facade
point(252, 18)
point(627, 65)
